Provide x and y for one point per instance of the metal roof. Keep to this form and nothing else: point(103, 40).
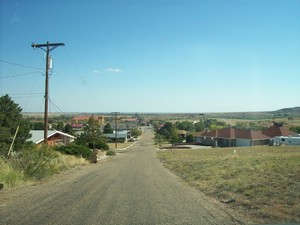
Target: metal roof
point(37, 136)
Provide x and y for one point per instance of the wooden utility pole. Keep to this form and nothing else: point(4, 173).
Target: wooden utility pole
point(48, 47)
point(116, 131)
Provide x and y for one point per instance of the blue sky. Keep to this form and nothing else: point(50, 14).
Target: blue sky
point(152, 56)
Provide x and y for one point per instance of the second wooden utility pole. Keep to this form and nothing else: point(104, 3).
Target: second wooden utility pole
point(48, 47)
point(116, 130)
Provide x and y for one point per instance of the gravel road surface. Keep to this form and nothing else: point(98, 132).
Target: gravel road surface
point(130, 188)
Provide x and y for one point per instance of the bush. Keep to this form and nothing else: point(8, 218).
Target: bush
point(36, 163)
point(99, 145)
point(136, 132)
point(190, 138)
point(75, 149)
point(110, 152)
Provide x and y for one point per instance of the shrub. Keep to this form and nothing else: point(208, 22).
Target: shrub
point(136, 132)
point(36, 163)
point(75, 149)
point(190, 138)
point(99, 145)
point(110, 152)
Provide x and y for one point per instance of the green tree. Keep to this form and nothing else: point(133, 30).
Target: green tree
point(68, 129)
point(168, 132)
point(199, 126)
point(185, 125)
point(295, 129)
point(37, 126)
point(10, 119)
point(190, 138)
point(60, 126)
point(107, 129)
point(92, 133)
point(158, 139)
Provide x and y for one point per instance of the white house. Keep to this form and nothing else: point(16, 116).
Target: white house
point(55, 137)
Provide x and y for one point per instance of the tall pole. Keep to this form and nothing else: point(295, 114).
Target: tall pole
point(48, 47)
point(46, 97)
point(116, 128)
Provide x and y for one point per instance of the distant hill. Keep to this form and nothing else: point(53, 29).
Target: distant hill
point(295, 110)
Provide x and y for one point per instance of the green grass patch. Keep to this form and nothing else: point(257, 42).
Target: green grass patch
point(265, 181)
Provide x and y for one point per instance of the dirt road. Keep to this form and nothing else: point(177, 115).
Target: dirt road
point(130, 188)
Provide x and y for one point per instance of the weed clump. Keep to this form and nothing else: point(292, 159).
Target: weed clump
point(110, 152)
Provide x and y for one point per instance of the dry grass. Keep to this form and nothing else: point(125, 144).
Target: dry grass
point(8, 175)
point(17, 171)
point(264, 181)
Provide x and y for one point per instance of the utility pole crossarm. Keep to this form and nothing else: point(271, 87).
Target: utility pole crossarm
point(47, 45)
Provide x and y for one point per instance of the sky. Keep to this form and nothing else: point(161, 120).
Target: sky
point(192, 56)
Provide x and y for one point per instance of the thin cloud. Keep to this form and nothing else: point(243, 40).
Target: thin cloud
point(96, 71)
point(15, 18)
point(113, 70)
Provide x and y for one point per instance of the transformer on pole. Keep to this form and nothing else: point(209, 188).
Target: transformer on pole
point(48, 47)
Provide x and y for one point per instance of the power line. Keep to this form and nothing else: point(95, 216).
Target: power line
point(19, 75)
point(21, 65)
point(26, 95)
point(77, 71)
point(59, 109)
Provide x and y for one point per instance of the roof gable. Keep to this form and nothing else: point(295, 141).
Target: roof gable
point(278, 131)
point(37, 136)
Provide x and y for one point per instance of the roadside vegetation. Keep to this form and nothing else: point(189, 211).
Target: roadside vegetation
point(22, 161)
point(34, 164)
point(263, 181)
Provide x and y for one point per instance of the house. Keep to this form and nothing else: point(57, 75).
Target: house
point(122, 136)
point(278, 131)
point(230, 137)
point(54, 137)
point(79, 121)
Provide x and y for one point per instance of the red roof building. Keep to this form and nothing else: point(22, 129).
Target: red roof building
point(227, 137)
point(79, 121)
point(278, 131)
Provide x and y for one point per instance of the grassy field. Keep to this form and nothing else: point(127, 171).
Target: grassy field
point(261, 181)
